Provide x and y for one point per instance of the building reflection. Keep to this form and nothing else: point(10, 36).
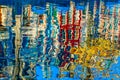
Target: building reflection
point(44, 35)
point(6, 55)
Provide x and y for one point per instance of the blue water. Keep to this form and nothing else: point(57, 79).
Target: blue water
point(41, 52)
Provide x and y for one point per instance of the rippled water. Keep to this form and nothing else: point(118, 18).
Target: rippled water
point(59, 40)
